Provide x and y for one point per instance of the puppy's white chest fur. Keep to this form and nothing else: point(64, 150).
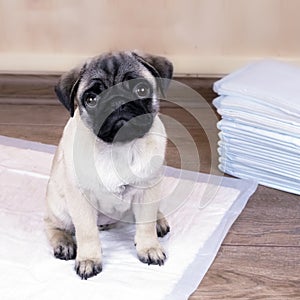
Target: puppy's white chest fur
point(133, 164)
point(118, 169)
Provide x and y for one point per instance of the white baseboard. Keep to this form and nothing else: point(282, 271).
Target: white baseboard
point(183, 64)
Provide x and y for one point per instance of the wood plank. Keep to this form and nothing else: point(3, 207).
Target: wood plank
point(47, 134)
point(188, 154)
point(31, 86)
point(40, 123)
point(271, 218)
point(245, 272)
point(33, 115)
point(39, 88)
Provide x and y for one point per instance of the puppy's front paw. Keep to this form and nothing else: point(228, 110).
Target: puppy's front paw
point(152, 256)
point(87, 268)
point(65, 250)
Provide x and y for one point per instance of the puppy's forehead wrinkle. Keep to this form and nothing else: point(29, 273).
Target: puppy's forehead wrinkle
point(112, 69)
point(113, 64)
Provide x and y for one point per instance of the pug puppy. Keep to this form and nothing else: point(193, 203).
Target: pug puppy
point(109, 158)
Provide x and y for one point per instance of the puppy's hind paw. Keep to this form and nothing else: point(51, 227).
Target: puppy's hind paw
point(87, 268)
point(65, 250)
point(162, 227)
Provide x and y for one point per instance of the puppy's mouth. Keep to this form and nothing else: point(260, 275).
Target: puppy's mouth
point(125, 124)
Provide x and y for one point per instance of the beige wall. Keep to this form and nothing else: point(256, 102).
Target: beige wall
point(200, 36)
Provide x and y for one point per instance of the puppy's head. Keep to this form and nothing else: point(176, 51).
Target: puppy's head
point(116, 93)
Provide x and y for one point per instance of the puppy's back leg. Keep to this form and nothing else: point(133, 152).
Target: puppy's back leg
point(162, 225)
point(58, 224)
point(61, 241)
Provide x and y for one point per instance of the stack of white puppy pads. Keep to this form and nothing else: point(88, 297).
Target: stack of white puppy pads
point(260, 125)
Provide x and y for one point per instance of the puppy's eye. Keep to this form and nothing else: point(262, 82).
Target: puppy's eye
point(142, 90)
point(91, 100)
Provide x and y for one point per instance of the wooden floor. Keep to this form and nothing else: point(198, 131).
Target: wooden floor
point(259, 258)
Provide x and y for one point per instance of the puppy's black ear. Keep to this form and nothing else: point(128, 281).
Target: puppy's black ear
point(159, 66)
point(67, 86)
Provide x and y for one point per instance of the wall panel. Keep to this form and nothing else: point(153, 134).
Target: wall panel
point(200, 36)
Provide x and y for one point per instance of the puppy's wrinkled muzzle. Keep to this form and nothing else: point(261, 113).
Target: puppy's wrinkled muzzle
point(125, 131)
point(128, 122)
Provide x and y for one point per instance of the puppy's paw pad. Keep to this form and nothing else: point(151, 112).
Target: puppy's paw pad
point(65, 250)
point(87, 268)
point(152, 256)
point(162, 227)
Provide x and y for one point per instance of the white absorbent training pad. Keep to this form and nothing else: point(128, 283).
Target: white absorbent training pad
point(271, 83)
point(206, 208)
